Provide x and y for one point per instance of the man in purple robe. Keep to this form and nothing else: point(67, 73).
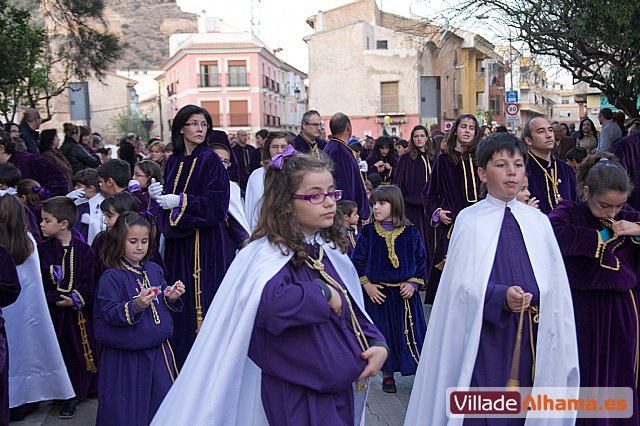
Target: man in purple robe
point(627, 150)
point(309, 141)
point(550, 180)
point(346, 172)
point(242, 153)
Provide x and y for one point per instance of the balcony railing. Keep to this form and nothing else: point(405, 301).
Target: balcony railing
point(208, 80)
point(271, 120)
point(239, 119)
point(240, 79)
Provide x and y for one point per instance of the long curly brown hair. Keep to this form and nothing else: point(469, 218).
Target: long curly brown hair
point(277, 222)
point(13, 229)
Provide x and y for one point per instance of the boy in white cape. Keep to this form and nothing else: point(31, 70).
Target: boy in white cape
point(503, 257)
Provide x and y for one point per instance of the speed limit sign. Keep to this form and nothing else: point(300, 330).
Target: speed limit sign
point(512, 109)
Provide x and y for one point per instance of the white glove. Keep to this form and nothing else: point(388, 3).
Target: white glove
point(76, 193)
point(85, 218)
point(133, 185)
point(364, 167)
point(169, 201)
point(155, 189)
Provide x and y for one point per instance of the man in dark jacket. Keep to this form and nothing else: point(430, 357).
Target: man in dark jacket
point(29, 126)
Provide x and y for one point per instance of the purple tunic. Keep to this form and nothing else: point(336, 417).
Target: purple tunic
point(9, 292)
point(196, 228)
point(243, 157)
point(604, 288)
point(71, 324)
point(308, 355)
point(38, 168)
point(255, 160)
point(511, 266)
point(542, 175)
point(218, 137)
point(386, 175)
point(450, 187)
point(372, 260)
point(627, 150)
point(137, 367)
point(302, 144)
point(33, 225)
point(346, 174)
point(410, 175)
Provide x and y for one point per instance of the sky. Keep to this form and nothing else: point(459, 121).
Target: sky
point(283, 22)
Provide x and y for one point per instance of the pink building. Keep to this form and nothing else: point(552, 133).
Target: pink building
point(235, 76)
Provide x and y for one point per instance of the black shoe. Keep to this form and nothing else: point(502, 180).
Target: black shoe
point(68, 410)
point(388, 385)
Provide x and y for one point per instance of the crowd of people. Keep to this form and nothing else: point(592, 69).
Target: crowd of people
point(211, 281)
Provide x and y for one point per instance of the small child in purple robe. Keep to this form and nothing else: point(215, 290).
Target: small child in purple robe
point(349, 211)
point(133, 324)
point(143, 172)
point(87, 198)
point(600, 242)
point(66, 263)
point(390, 259)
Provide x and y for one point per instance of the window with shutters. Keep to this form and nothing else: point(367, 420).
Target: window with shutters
point(389, 97)
point(237, 73)
point(209, 74)
point(213, 108)
point(238, 113)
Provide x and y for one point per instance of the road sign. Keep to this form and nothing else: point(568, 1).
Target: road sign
point(512, 109)
point(512, 96)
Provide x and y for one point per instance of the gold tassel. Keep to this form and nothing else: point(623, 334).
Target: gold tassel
point(88, 356)
point(440, 265)
point(513, 382)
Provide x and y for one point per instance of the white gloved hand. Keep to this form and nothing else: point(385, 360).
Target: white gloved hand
point(169, 201)
point(133, 185)
point(85, 218)
point(364, 167)
point(155, 189)
point(76, 193)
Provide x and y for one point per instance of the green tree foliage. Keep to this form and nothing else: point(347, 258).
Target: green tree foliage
point(48, 43)
point(128, 121)
point(596, 41)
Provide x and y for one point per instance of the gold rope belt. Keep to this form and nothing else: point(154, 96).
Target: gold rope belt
point(408, 326)
point(533, 314)
point(88, 356)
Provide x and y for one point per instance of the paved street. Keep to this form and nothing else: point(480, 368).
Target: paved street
point(382, 408)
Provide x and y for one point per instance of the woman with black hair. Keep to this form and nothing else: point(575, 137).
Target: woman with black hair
point(49, 144)
point(194, 207)
point(383, 160)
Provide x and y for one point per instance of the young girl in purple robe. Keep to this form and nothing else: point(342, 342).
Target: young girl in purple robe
point(134, 325)
point(600, 241)
point(143, 173)
point(452, 186)
point(390, 260)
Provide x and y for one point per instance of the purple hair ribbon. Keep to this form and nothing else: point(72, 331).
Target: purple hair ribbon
point(277, 161)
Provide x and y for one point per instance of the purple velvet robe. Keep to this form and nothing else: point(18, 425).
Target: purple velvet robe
point(137, 367)
point(386, 175)
point(627, 150)
point(243, 157)
point(347, 177)
point(234, 236)
point(450, 187)
point(372, 260)
point(206, 200)
point(218, 137)
point(33, 225)
point(604, 288)
point(38, 168)
point(67, 321)
point(309, 356)
point(511, 266)
point(541, 187)
point(301, 144)
point(411, 175)
point(9, 292)
point(255, 160)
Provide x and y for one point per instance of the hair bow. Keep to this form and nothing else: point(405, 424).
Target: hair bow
point(8, 191)
point(277, 161)
point(44, 192)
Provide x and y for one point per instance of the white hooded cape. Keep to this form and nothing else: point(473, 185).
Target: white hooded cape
point(36, 368)
point(253, 196)
point(453, 335)
point(235, 206)
point(219, 384)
